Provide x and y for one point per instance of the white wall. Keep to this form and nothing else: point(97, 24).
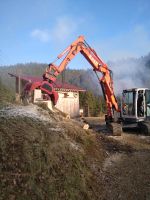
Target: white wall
point(68, 102)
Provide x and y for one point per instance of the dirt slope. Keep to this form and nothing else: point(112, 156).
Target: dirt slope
point(44, 156)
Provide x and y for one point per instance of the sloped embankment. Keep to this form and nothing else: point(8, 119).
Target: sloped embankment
point(44, 156)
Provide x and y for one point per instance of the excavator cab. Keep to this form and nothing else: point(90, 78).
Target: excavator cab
point(135, 108)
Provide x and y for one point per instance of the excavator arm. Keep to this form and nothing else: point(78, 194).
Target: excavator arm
point(106, 82)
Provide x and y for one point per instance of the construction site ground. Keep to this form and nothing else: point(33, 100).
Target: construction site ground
point(45, 156)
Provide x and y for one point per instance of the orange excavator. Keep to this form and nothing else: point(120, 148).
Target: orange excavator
point(114, 114)
point(106, 82)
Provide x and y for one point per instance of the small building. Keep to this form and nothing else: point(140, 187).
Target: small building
point(68, 101)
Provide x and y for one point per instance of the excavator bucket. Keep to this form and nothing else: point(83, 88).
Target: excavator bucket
point(46, 88)
point(54, 97)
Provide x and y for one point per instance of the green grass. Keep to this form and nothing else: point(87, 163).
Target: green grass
point(6, 96)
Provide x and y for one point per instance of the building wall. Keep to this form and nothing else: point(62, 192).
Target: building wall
point(68, 102)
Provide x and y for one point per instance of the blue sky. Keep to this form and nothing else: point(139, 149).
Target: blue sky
point(39, 30)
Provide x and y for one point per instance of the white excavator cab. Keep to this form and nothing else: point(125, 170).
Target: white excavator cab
point(135, 107)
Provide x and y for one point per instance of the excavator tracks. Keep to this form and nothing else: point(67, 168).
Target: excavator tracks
point(145, 127)
point(115, 128)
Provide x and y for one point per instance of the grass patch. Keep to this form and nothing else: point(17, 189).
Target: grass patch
point(39, 163)
point(6, 96)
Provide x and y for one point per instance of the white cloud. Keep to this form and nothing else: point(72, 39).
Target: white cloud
point(63, 29)
point(42, 35)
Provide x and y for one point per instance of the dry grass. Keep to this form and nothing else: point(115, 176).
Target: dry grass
point(138, 142)
point(46, 160)
point(59, 160)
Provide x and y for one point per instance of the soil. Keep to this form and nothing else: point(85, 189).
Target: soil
point(45, 156)
point(126, 172)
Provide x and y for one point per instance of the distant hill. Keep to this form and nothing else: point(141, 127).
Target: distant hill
point(28, 69)
point(127, 73)
point(83, 78)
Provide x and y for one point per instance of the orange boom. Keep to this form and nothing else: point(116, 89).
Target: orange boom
point(106, 82)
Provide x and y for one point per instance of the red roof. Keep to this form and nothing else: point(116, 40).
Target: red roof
point(57, 85)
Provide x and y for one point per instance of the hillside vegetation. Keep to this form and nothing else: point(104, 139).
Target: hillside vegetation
point(83, 78)
point(44, 156)
point(6, 96)
point(127, 71)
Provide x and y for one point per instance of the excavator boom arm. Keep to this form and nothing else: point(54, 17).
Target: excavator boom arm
point(106, 82)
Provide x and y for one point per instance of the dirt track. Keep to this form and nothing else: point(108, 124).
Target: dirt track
point(126, 172)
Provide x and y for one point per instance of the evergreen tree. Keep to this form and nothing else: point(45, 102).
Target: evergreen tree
point(96, 104)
